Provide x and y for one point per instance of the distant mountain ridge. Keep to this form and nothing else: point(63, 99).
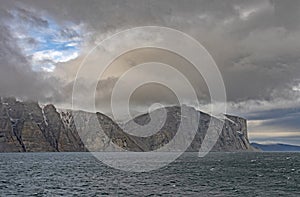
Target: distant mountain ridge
point(276, 147)
point(28, 127)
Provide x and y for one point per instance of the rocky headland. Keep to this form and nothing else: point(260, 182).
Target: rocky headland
point(30, 127)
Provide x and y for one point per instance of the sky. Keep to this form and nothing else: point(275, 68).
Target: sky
point(256, 45)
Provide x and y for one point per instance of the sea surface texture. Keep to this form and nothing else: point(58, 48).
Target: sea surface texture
point(217, 174)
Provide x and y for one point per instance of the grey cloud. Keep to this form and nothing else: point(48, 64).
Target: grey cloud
point(273, 113)
point(31, 18)
point(290, 122)
point(287, 13)
point(69, 33)
point(285, 119)
point(259, 51)
point(256, 44)
point(16, 75)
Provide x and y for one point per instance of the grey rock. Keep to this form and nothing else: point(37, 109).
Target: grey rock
point(28, 127)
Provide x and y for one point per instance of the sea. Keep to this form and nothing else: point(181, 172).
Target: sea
point(216, 174)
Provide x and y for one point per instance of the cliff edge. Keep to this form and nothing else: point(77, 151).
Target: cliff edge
point(28, 127)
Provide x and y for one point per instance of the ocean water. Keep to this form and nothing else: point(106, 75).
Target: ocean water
point(217, 174)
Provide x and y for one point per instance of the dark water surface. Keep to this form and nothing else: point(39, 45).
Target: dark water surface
point(217, 174)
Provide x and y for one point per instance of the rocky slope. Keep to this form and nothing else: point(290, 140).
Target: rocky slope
point(28, 127)
point(233, 137)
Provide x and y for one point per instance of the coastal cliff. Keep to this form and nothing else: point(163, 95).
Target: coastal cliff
point(29, 127)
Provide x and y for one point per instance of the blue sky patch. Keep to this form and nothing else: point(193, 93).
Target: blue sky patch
point(44, 41)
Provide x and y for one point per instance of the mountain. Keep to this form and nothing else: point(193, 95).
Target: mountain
point(29, 127)
point(276, 147)
point(232, 138)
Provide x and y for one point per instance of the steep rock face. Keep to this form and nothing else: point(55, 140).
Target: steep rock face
point(8, 140)
point(233, 137)
point(33, 139)
point(28, 127)
point(86, 131)
point(97, 131)
point(62, 138)
point(166, 129)
point(16, 113)
point(33, 130)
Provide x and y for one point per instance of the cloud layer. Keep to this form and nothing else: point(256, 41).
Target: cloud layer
point(256, 45)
